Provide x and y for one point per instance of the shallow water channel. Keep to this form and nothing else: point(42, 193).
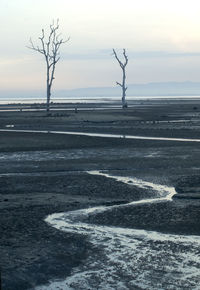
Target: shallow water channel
point(103, 135)
point(126, 258)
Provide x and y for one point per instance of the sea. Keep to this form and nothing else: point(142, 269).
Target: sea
point(95, 99)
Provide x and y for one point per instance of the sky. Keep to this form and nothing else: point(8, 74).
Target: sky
point(162, 40)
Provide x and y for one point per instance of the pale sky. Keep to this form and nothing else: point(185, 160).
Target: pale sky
point(162, 39)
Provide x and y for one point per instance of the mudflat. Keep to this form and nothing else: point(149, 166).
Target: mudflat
point(45, 173)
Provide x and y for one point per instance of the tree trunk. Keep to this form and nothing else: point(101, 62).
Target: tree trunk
point(124, 103)
point(48, 98)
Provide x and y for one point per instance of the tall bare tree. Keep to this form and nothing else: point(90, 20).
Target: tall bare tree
point(50, 48)
point(123, 84)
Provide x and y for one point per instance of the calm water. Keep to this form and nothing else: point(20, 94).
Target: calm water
point(92, 99)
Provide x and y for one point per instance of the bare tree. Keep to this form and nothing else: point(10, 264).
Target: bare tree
point(123, 84)
point(50, 48)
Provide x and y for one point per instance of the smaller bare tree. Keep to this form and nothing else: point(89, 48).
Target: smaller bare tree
point(50, 46)
point(123, 84)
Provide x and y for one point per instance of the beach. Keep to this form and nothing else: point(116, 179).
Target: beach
point(45, 171)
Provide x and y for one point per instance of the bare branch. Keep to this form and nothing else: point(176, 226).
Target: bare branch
point(34, 47)
point(119, 84)
point(123, 65)
point(125, 56)
point(115, 54)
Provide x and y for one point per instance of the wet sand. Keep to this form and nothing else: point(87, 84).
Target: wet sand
point(41, 174)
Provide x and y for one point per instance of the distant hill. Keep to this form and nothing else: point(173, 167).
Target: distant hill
point(149, 89)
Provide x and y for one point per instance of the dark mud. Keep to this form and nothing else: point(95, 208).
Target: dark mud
point(31, 251)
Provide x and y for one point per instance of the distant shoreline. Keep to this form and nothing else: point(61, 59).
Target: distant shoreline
point(89, 100)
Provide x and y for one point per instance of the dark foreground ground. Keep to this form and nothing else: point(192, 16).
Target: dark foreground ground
point(41, 174)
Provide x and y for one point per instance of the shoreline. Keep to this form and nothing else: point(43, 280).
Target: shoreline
point(80, 103)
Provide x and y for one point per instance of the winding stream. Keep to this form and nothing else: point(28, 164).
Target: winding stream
point(125, 258)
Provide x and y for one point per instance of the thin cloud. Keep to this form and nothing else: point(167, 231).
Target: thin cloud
point(162, 54)
point(107, 54)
